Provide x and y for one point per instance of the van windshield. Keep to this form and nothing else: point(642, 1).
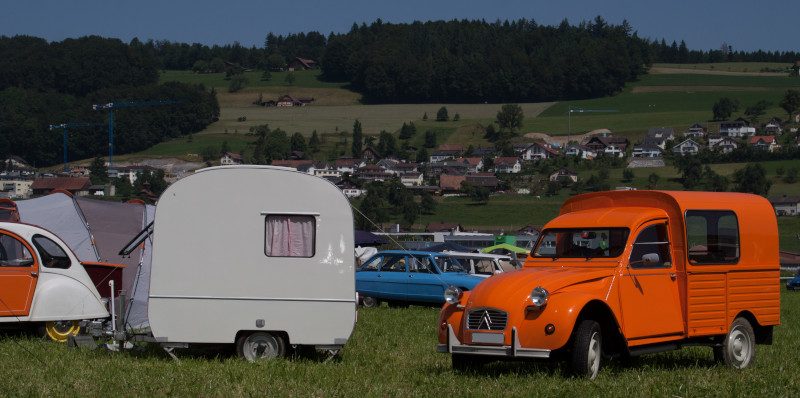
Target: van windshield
point(582, 243)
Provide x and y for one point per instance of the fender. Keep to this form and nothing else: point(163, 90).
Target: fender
point(59, 297)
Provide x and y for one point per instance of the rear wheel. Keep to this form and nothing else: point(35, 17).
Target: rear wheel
point(587, 349)
point(260, 346)
point(738, 350)
point(370, 302)
point(60, 330)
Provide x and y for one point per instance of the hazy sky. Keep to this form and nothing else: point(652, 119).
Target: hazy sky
point(770, 25)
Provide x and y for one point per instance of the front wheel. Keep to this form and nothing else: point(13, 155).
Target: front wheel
point(739, 349)
point(587, 349)
point(260, 346)
point(60, 330)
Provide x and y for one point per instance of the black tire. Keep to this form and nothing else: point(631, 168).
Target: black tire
point(739, 348)
point(370, 302)
point(466, 362)
point(258, 346)
point(587, 349)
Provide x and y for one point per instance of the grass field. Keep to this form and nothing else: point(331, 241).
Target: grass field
point(392, 354)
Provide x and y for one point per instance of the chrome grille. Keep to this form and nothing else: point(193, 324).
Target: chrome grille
point(487, 319)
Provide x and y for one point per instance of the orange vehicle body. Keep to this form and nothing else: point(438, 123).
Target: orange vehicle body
point(655, 270)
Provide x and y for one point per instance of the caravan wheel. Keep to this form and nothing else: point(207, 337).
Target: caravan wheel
point(60, 330)
point(260, 346)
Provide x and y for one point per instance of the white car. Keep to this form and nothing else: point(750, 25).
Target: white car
point(485, 265)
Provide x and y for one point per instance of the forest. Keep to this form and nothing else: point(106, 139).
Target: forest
point(46, 84)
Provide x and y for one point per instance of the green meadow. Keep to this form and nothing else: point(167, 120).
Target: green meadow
point(392, 353)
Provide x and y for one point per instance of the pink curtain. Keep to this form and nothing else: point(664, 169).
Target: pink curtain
point(289, 236)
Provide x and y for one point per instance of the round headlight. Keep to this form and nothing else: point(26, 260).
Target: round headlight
point(539, 296)
point(452, 294)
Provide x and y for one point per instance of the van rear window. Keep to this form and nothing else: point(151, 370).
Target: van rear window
point(289, 235)
point(712, 237)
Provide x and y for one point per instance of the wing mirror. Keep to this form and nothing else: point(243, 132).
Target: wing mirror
point(648, 260)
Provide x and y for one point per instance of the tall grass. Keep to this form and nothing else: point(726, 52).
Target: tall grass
point(391, 354)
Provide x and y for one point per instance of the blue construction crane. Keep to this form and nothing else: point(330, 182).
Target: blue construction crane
point(110, 106)
point(572, 109)
point(64, 127)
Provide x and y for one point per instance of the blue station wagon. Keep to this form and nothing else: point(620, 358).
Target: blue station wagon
point(410, 277)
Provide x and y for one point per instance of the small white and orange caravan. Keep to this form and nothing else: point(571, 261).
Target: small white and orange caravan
point(257, 256)
point(44, 285)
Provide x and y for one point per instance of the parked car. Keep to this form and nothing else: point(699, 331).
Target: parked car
point(410, 277)
point(794, 283)
point(626, 274)
point(483, 264)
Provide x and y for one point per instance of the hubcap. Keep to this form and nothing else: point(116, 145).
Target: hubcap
point(594, 354)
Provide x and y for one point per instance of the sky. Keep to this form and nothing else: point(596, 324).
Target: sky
point(769, 25)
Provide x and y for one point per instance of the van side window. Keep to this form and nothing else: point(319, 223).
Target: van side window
point(289, 235)
point(13, 253)
point(52, 255)
point(712, 236)
point(652, 240)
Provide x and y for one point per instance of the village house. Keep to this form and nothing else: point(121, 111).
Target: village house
point(348, 165)
point(773, 127)
point(722, 144)
point(440, 156)
point(507, 165)
point(687, 147)
point(15, 185)
point(290, 100)
point(302, 64)
point(230, 158)
point(564, 173)
point(406, 168)
point(786, 205)
point(411, 179)
point(475, 164)
point(658, 136)
point(370, 154)
point(448, 167)
point(486, 180)
point(579, 150)
point(538, 151)
point(736, 128)
point(350, 189)
point(372, 172)
point(609, 146)
point(451, 184)
point(646, 151)
point(78, 186)
point(696, 130)
point(764, 142)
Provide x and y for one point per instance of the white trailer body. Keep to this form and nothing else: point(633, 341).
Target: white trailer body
point(219, 275)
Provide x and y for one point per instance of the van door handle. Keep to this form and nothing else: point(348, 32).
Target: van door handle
point(34, 274)
point(673, 276)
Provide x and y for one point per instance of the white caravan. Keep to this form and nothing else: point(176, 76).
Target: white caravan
point(257, 256)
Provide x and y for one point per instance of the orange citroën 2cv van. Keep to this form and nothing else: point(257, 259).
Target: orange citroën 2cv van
point(629, 273)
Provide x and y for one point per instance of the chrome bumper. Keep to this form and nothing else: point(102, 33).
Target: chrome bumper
point(454, 346)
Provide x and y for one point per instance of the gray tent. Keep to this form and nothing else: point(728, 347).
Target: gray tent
point(96, 230)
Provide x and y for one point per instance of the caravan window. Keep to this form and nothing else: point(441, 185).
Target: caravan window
point(289, 235)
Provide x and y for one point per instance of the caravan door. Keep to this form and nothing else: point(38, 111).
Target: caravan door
point(18, 275)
